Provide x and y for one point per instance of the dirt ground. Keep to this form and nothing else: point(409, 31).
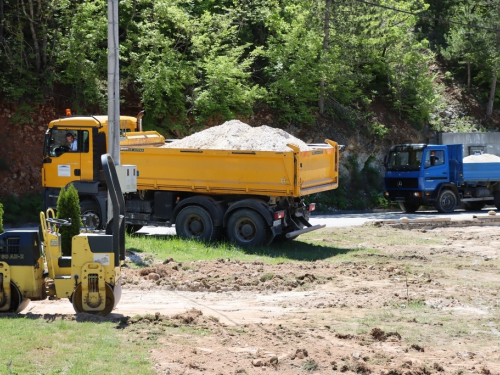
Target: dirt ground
point(391, 301)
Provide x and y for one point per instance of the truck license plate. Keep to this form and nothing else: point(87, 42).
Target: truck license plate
point(276, 223)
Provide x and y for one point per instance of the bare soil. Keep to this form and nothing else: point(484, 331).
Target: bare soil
point(392, 301)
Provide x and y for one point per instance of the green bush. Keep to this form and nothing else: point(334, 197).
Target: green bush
point(22, 210)
point(68, 207)
point(328, 200)
point(363, 191)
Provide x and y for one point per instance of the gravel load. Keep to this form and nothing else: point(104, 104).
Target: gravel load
point(236, 135)
point(483, 158)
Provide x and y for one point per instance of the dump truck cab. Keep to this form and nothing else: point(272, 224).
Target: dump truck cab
point(62, 166)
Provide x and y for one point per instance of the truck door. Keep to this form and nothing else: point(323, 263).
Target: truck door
point(436, 169)
point(65, 150)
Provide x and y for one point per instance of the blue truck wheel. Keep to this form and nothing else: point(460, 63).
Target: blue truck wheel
point(447, 201)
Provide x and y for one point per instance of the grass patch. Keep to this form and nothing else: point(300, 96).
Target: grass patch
point(37, 346)
point(181, 250)
point(332, 244)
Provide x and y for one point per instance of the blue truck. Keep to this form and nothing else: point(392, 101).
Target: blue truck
point(436, 175)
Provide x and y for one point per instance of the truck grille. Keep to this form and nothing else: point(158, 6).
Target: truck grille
point(401, 183)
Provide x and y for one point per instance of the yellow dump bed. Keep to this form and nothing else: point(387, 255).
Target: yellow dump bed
point(292, 173)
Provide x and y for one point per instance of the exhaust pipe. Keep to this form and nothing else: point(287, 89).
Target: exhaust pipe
point(139, 119)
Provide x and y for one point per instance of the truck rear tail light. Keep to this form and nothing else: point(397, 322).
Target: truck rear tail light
point(279, 215)
point(417, 194)
point(312, 207)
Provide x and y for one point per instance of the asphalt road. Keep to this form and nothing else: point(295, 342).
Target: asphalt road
point(341, 219)
point(346, 219)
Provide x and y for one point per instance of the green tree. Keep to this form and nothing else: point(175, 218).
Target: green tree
point(68, 208)
point(224, 68)
point(474, 40)
point(189, 59)
point(292, 66)
point(156, 61)
point(464, 44)
point(27, 48)
point(82, 59)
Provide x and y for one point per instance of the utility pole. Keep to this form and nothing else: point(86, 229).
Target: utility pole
point(113, 82)
point(113, 91)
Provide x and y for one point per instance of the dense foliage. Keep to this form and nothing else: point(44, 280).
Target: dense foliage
point(22, 209)
point(192, 63)
point(68, 208)
point(188, 62)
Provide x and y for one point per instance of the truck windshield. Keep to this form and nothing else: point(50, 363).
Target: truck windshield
point(405, 158)
point(59, 141)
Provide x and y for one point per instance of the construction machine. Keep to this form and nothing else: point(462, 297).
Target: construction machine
point(32, 266)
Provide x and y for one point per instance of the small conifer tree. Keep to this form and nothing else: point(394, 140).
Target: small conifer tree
point(1, 218)
point(68, 207)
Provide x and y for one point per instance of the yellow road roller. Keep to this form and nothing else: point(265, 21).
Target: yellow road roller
point(32, 266)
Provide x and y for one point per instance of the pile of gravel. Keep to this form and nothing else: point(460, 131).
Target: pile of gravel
point(236, 135)
point(483, 158)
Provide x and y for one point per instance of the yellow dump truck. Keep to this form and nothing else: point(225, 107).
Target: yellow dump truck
point(252, 197)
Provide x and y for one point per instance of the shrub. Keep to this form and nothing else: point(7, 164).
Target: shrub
point(22, 210)
point(68, 208)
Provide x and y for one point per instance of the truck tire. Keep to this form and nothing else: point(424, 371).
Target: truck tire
point(409, 207)
point(447, 201)
point(91, 208)
point(195, 222)
point(247, 228)
point(474, 206)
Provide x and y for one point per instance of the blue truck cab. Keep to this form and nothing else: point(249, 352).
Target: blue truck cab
point(435, 175)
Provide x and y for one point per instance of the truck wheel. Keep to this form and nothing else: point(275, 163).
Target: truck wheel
point(447, 202)
point(409, 207)
point(91, 209)
point(474, 206)
point(196, 223)
point(247, 228)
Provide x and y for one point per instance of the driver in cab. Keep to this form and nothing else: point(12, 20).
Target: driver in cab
point(73, 142)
